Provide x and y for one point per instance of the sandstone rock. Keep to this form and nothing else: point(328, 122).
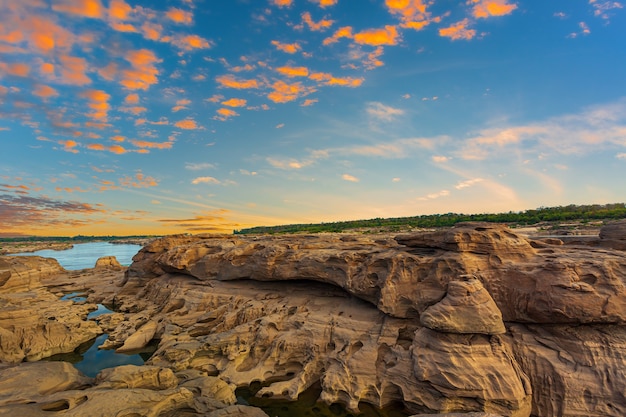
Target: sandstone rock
point(24, 273)
point(473, 237)
point(574, 370)
point(614, 231)
point(238, 411)
point(21, 383)
point(108, 262)
point(339, 312)
point(466, 308)
point(132, 376)
point(140, 338)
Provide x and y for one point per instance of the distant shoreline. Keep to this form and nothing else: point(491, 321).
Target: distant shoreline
point(29, 246)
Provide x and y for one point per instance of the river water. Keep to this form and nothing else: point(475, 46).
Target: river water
point(85, 255)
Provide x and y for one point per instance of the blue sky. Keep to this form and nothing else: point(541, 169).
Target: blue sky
point(134, 117)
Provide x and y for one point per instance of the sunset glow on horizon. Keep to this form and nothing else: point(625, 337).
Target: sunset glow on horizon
point(121, 117)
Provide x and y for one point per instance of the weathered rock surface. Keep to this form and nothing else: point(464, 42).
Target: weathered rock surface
point(58, 389)
point(34, 323)
point(466, 308)
point(472, 319)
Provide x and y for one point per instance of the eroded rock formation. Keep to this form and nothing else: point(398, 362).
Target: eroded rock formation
point(471, 319)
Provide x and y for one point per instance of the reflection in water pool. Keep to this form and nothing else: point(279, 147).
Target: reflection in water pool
point(90, 360)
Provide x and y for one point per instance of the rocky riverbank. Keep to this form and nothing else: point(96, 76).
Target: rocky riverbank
point(473, 319)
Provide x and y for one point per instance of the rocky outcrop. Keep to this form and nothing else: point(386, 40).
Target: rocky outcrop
point(35, 323)
point(471, 319)
point(58, 389)
point(108, 262)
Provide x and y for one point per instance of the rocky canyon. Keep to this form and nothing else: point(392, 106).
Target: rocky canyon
point(473, 320)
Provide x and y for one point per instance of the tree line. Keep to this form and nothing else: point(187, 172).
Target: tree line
point(581, 213)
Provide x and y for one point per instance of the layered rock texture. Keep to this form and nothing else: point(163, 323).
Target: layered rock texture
point(472, 319)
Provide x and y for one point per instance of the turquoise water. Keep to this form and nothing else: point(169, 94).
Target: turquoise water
point(85, 255)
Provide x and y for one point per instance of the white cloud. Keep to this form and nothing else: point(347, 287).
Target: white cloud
point(440, 158)
point(468, 183)
point(199, 166)
point(382, 112)
point(205, 180)
point(591, 130)
point(350, 178)
point(621, 156)
point(433, 196)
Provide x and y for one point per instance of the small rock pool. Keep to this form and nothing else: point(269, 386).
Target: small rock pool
point(90, 360)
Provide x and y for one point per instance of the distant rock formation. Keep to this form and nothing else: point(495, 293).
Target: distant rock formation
point(471, 319)
point(108, 262)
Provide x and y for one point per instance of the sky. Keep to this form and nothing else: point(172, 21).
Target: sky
point(122, 117)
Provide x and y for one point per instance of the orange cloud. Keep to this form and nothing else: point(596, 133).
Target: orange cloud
point(282, 3)
point(45, 91)
point(290, 48)
point(487, 8)
point(73, 70)
point(117, 149)
point(235, 102)
point(98, 103)
point(343, 32)
point(85, 8)
point(152, 31)
point(143, 73)
point(225, 113)
point(309, 102)
point(181, 104)
point(123, 27)
point(231, 82)
point(412, 13)
point(69, 145)
point(293, 71)
point(187, 124)
point(387, 36)
point(18, 70)
point(139, 181)
point(132, 98)
point(372, 61)
point(325, 3)
point(95, 146)
point(118, 138)
point(458, 31)
point(46, 68)
point(179, 16)
point(44, 34)
point(136, 110)
point(324, 78)
point(153, 145)
point(189, 42)
point(316, 26)
point(283, 92)
point(119, 9)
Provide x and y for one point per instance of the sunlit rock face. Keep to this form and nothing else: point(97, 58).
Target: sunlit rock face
point(417, 319)
point(470, 319)
point(34, 323)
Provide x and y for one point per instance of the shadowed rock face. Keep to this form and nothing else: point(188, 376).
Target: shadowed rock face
point(469, 319)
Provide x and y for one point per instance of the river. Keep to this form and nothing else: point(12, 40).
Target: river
point(85, 255)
